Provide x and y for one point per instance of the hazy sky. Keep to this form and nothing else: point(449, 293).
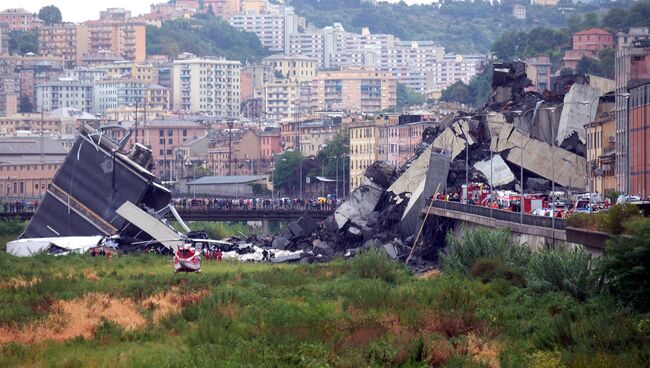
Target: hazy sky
point(81, 10)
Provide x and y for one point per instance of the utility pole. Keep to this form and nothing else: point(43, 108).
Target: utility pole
point(229, 124)
point(144, 126)
point(136, 120)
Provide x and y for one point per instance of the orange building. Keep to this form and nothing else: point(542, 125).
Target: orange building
point(118, 32)
point(27, 166)
point(587, 43)
point(270, 144)
point(20, 19)
point(68, 41)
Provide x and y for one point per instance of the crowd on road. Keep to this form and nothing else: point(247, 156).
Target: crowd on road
point(285, 203)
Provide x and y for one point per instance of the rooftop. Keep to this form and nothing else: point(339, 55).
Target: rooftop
point(30, 146)
point(238, 179)
point(592, 31)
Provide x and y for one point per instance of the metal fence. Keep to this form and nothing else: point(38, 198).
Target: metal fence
point(497, 214)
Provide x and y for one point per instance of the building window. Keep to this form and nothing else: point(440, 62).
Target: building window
point(170, 132)
point(161, 133)
point(170, 141)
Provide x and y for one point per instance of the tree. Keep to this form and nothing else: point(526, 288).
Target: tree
point(286, 175)
point(22, 42)
point(407, 97)
point(25, 105)
point(335, 156)
point(50, 15)
point(625, 266)
point(457, 92)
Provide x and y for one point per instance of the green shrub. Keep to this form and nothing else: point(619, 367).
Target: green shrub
point(625, 266)
point(483, 243)
point(613, 221)
point(569, 271)
point(546, 359)
point(487, 270)
point(582, 221)
point(374, 264)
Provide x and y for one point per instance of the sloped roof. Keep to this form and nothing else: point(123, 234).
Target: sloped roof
point(30, 146)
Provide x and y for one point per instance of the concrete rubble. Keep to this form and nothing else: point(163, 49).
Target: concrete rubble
point(515, 128)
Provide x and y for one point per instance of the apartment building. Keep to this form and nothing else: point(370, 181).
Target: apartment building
point(273, 28)
point(35, 69)
point(254, 6)
point(236, 154)
point(132, 70)
point(118, 32)
point(4, 39)
point(538, 70)
point(587, 43)
point(222, 8)
point(64, 93)
point(66, 40)
point(639, 116)
point(295, 68)
point(316, 135)
point(280, 99)
point(632, 69)
point(357, 90)
point(8, 89)
point(207, 85)
point(364, 148)
point(19, 19)
point(601, 149)
point(33, 123)
point(120, 93)
point(519, 11)
point(270, 144)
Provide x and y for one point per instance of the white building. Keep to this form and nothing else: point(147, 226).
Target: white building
point(281, 98)
point(206, 85)
point(519, 11)
point(64, 93)
point(272, 28)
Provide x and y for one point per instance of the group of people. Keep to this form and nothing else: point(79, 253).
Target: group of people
point(211, 204)
point(19, 205)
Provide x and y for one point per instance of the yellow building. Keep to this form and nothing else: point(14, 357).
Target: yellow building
point(355, 90)
point(364, 148)
point(297, 68)
point(601, 149)
point(131, 70)
point(68, 41)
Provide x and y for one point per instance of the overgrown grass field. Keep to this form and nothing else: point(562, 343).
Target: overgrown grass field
point(365, 312)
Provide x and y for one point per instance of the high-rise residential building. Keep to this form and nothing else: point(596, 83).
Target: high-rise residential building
point(4, 38)
point(252, 80)
point(273, 28)
point(19, 19)
point(118, 32)
point(639, 115)
point(207, 85)
point(280, 99)
point(119, 93)
point(295, 68)
point(64, 93)
point(421, 65)
point(632, 69)
point(68, 41)
point(8, 89)
point(33, 70)
point(587, 43)
point(357, 90)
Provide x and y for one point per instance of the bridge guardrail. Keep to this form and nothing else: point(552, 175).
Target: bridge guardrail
point(501, 215)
